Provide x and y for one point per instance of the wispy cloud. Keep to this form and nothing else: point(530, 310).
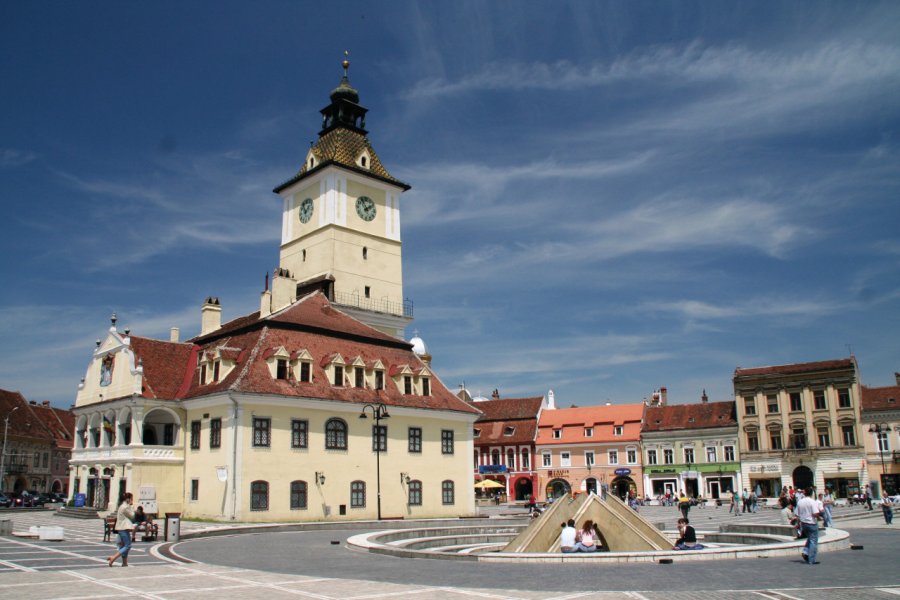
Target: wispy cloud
point(11, 158)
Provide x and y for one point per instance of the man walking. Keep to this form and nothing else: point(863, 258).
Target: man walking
point(808, 513)
point(869, 497)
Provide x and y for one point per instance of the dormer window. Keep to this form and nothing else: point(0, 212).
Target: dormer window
point(312, 162)
point(281, 369)
point(588, 432)
point(202, 374)
point(379, 380)
point(338, 375)
point(363, 161)
point(216, 365)
point(617, 430)
point(508, 431)
point(476, 432)
point(426, 387)
point(407, 385)
point(359, 377)
point(557, 434)
point(305, 371)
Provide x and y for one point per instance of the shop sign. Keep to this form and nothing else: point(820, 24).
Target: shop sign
point(491, 469)
point(662, 470)
point(562, 473)
point(622, 472)
point(764, 469)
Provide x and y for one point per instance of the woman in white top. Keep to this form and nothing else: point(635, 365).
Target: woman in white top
point(124, 527)
point(586, 542)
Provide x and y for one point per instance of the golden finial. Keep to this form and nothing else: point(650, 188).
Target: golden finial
point(346, 62)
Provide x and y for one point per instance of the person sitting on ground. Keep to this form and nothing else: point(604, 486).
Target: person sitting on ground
point(567, 537)
point(586, 540)
point(688, 539)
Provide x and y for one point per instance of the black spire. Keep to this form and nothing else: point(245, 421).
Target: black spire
point(344, 110)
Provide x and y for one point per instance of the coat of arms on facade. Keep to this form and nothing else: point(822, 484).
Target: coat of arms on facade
point(106, 369)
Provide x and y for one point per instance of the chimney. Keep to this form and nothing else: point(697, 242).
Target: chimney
point(210, 315)
point(663, 396)
point(284, 289)
point(704, 398)
point(495, 395)
point(897, 377)
point(173, 334)
point(46, 403)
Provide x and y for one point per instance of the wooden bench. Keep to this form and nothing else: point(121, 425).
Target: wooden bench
point(109, 526)
point(149, 529)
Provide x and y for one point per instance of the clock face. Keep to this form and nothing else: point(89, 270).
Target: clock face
point(306, 210)
point(365, 208)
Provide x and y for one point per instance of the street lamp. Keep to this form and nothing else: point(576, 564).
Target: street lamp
point(878, 429)
point(379, 413)
point(3, 456)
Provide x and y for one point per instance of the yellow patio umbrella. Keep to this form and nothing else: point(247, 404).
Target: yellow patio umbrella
point(488, 483)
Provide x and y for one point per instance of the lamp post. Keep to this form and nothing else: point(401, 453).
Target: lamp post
point(3, 456)
point(878, 429)
point(379, 413)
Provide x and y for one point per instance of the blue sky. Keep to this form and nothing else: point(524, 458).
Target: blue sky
point(607, 197)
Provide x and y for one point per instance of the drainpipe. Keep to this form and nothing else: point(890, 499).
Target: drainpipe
point(234, 449)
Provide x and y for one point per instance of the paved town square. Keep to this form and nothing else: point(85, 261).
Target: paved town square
point(310, 565)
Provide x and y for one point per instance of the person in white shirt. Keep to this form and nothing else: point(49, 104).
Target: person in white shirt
point(567, 537)
point(808, 512)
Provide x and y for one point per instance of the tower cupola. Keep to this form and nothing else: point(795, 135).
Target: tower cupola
point(344, 110)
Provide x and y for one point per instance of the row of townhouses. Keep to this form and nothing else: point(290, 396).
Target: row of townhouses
point(791, 425)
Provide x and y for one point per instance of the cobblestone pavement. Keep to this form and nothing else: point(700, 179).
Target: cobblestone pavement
point(75, 569)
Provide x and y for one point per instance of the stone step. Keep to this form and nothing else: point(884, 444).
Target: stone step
point(77, 513)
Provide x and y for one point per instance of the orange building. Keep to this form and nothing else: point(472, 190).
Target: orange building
point(590, 448)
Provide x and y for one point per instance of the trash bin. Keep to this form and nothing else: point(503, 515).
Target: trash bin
point(173, 527)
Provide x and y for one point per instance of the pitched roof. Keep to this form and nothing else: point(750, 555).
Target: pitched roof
point(880, 398)
point(796, 368)
point(24, 420)
point(60, 423)
point(508, 409)
point(603, 419)
point(342, 147)
point(507, 420)
point(311, 324)
point(690, 416)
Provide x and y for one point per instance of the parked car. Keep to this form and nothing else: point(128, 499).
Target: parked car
point(57, 497)
point(5, 501)
point(24, 499)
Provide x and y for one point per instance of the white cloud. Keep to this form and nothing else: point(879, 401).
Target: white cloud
point(11, 158)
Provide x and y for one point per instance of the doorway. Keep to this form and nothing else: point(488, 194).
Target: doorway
point(803, 477)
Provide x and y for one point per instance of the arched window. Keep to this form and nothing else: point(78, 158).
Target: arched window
point(358, 494)
point(298, 495)
point(415, 493)
point(259, 495)
point(448, 495)
point(335, 434)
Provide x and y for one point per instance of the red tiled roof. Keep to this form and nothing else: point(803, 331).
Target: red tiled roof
point(28, 420)
point(492, 433)
point(880, 398)
point(793, 369)
point(165, 364)
point(602, 419)
point(690, 416)
point(509, 408)
point(60, 423)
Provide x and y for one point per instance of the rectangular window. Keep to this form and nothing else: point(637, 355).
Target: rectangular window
point(359, 376)
point(849, 435)
point(304, 372)
point(338, 375)
point(557, 434)
point(752, 442)
point(415, 439)
point(565, 459)
point(688, 455)
point(448, 495)
point(526, 460)
point(215, 433)
point(281, 369)
point(775, 440)
point(819, 400)
point(195, 435)
point(844, 398)
point(668, 456)
point(202, 374)
point(259, 495)
point(46, 460)
point(631, 456)
point(711, 454)
point(358, 494)
point(379, 438)
point(613, 457)
point(379, 380)
point(169, 434)
point(798, 438)
point(617, 430)
point(729, 453)
point(407, 385)
point(195, 490)
point(749, 405)
point(546, 460)
point(589, 458)
point(216, 370)
point(796, 402)
point(772, 403)
point(299, 433)
point(651, 457)
point(588, 432)
point(415, 493)
point(262, 429)
point(884, 444)
point(426, 387)
point(446, 441)
point(823, 436)
point(298, 495)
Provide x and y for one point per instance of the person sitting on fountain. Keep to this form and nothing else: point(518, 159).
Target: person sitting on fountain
point(586, 540)
point(688, 539)
point(567, 537)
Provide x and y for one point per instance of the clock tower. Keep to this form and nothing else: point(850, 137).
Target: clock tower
point(340, 227)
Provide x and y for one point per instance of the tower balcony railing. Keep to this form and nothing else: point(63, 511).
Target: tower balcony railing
point(400, 309)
